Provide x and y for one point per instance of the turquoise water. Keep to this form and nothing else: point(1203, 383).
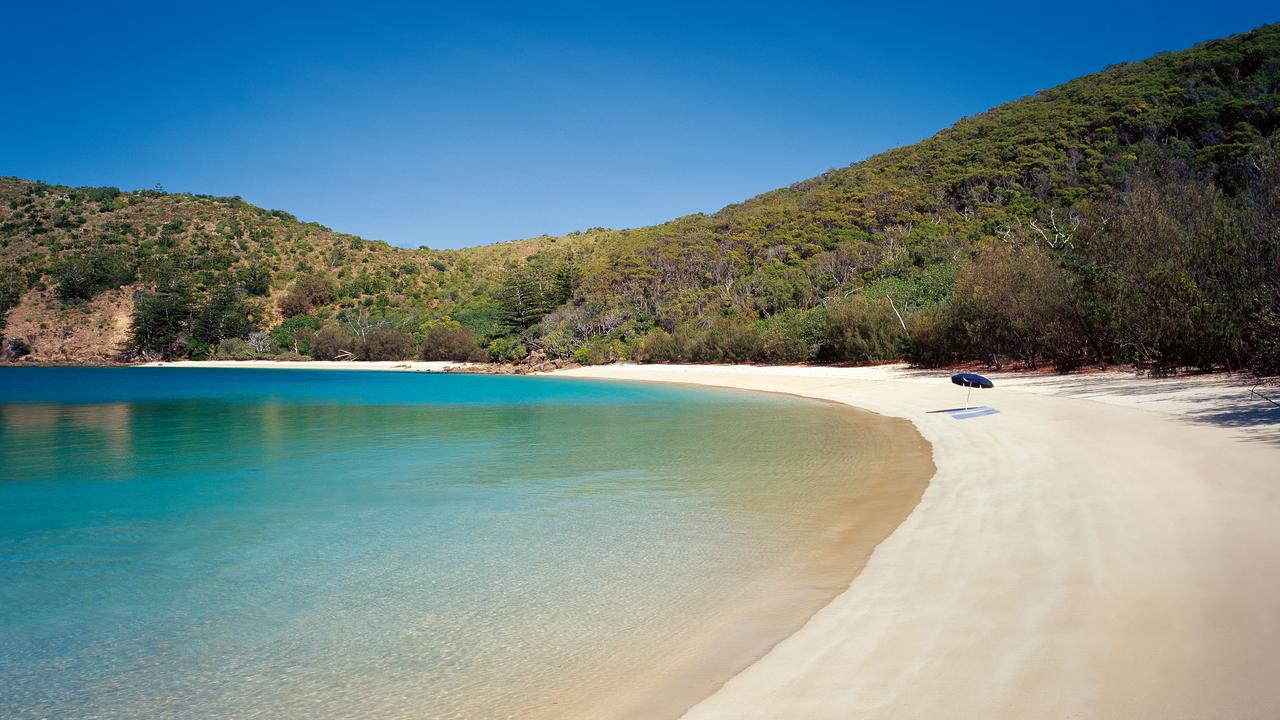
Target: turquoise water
point(212, 543)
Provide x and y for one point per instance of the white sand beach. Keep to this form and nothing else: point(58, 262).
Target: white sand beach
point(1103, 547)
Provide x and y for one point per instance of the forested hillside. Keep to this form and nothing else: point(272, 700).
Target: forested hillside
point(1127, 216)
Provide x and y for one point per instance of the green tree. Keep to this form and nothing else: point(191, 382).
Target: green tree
point(255, 280)
point(82, 277)
point(157, 327)
point(223, 315)
point(295, 334)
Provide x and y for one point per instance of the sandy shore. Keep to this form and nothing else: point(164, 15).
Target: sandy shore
point(1103, 547)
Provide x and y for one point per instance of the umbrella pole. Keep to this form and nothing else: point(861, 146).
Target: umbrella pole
point(967, 392)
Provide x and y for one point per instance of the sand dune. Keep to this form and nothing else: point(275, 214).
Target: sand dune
point(1102, 547)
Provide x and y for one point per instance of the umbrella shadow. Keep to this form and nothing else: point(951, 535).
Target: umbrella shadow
point(972, 411)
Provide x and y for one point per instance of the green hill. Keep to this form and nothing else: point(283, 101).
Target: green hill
point(1127, 216)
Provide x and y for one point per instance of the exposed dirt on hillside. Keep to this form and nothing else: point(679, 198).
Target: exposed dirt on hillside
point(91, 332)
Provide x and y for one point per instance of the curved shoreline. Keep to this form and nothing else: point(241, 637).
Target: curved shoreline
point(1103, 547)
point(769, 607)
point(1113, 556)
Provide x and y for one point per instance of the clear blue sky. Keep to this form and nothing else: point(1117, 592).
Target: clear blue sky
point(465, 123)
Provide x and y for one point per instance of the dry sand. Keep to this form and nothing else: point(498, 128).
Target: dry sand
point(1103, 547)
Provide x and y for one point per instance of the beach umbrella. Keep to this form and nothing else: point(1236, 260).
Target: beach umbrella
point(971, 381)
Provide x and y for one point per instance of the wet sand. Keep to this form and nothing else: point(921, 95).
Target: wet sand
point(768, 608)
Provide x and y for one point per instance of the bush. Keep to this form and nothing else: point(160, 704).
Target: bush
point(660, 346)
point(864, 331)
point(506, 349)
point(728, 339)
point(385, 344)
point(793, 335)
point(451, 341)
point(598, 351)
point(334, 342)
point(234, 349)
point(306, 294)
point(294, 334)
point(936, 338)
point(1016, 303)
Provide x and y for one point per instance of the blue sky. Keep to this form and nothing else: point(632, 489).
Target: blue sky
point(466, 123)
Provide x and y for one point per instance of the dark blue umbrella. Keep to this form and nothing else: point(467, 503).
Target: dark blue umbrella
point(971, 381)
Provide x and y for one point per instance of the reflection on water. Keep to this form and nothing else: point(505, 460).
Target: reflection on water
point(302, 544)
point(98, 433)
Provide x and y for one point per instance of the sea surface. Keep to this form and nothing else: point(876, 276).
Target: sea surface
point(225, 543)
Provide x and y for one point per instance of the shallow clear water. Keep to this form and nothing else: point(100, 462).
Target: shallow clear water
point(212, 543)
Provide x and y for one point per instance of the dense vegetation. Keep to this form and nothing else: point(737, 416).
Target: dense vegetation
point(1126, 217)
point(217, 277)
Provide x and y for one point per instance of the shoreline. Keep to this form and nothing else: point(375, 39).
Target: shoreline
point(1106, 546)
point(768, 608)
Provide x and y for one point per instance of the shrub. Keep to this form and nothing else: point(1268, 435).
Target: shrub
point(661, 346)
point(861, 330)
point(729, 339)
point(793, 335)
point(334, 342)
point(385, 344)
point(234, 349)
point(1015, 303)
point(598, 351)
point(506, 349)
point(936, 338)
point(451, 341)
point(294, 334)
point(307, 293)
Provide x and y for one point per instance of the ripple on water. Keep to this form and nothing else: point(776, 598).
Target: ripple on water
point(223, 543)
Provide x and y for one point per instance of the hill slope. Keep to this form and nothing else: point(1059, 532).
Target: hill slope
point(1129, 215)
